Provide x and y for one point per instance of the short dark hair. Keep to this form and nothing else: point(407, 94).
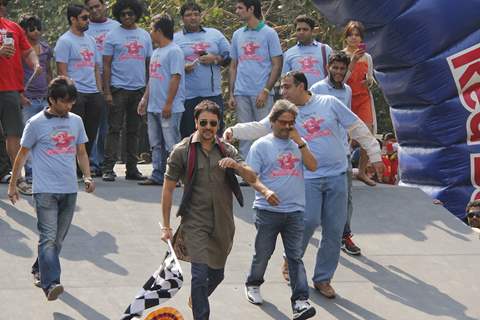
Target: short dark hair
point(305, 19)
point(206, 106)
point(87, 1)
point(298, 78)
point(473, 204)
point(339, 56)
point(74, 10)
point(192, 6)
point(257, 7)
point(164, 23)
point(280, 107)
point(121, 5)
point(30, 20)
point(61, 88)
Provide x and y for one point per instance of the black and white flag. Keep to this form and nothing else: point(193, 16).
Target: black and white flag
point(161, 286)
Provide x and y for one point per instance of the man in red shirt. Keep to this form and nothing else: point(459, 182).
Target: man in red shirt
point(14, 47)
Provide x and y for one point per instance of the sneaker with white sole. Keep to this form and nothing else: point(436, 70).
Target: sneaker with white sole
point(36, 279)
point(303, 310)
point(54, 291)
point(253, 294)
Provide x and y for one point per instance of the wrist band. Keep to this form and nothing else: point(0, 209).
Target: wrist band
point(303, 145)
point(266, 90)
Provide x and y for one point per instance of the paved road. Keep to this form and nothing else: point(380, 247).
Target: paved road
point(419, 262)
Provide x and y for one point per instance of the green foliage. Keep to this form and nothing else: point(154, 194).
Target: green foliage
point(219, 14)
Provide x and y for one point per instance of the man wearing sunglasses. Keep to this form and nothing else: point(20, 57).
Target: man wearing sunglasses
point(473, 214)
point(204, 162)
point(77, 58)
point(164, 96)
point(14, 48)
point(98, 28)
point(126, 56)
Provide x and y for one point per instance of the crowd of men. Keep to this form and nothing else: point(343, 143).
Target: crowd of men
point(113, 74)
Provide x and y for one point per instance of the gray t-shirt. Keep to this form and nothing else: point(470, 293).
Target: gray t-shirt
point(53, 143)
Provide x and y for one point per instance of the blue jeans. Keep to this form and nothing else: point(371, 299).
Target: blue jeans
point(28, 112)
point(247, 111)
point(326, 206)
point(163, 134)
point(54, 214)
point(291, 227)
point(204, 281)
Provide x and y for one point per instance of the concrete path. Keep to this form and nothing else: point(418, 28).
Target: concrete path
point(418, 261)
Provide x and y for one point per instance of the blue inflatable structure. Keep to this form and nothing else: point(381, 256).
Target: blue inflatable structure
point(426, 56)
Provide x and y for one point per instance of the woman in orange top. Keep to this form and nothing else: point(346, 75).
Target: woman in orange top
point(359, 77)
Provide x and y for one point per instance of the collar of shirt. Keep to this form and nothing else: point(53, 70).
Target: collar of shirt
point(259, 27)
point(51, 115)
point(313, 43)
point(185, 31)
point(332, 86)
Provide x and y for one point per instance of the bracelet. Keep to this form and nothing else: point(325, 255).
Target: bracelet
point(87, 180)
point(266, 90)
point(303, 145)
point(166, 228)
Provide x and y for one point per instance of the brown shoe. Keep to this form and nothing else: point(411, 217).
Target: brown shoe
point(325, 289)
point(285, 270)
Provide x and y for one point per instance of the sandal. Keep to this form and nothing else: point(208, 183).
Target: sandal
point(24, 188)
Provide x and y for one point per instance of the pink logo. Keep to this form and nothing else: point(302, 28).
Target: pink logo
point(154, 65)
point(133, 51)
point(198, 48)
point(287, 162)
point(308, 64)
point(62, 141)
point(314, 130)
point(86, 59)
point(250, 51)
point(100, 39)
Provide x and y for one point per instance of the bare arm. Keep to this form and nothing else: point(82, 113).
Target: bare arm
point(142, 105)
point(232, 76)
point(107, 77)
point(98, 78)
point(308, 159)
point(84, 164)
point(167, 196)
point(16, 172)
point(173, 85)
point(269, 195)
point(31, 59)
point(277, 63)
point(62, 69)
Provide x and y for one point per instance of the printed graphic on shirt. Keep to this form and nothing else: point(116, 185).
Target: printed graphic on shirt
point(63, 143)
point(87, 59)
point(287, 162)
point(133, 51)
point(198, 48)
point(100, 41)
point(308, 64)
point(250, 51)
point(154, 66)
point(313, 125)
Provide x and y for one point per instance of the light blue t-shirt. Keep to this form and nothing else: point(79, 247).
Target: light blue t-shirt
point(307, 59)
point(322, 122)
point(53, 143)
point(343, 94)
point(99, 31)
point(205, 80)
point(253, 50)
point(129, 49)
point(80, 55)
point(278, 163)
point(164, 63)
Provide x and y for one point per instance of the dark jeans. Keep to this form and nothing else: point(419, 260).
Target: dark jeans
point(187, 124)
point(347, 230)
point(123, 110)
point(204, 282)
point(4, 159)
point(89, 106)
point(290, 226)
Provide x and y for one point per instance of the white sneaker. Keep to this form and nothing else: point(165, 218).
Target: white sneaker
point(303, 310)
point(253, 294)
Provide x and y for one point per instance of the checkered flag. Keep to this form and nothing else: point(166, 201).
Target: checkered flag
point(161, 286)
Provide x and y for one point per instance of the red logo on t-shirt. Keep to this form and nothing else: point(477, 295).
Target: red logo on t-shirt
point(287, 162)
point(313, 127)
point(87, 61)
point(133, 51)
point(308, 64)
point(154, 65)
point(198, 48)
point(63, 143)
point(250, 51)
point(100, 39)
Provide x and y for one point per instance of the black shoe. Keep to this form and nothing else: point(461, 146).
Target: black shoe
point(150, 182)
point(108, 176)
point(244, 183)
point(303, 310)
point(349, 246)
point(135, 176)
point(36, 279)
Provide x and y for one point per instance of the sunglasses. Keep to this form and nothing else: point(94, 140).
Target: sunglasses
point(204, 122)
point(473, 214)
point(127, 13)
point(84, 17)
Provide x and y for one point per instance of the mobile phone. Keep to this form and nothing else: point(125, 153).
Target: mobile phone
point(8, 40)
point(362, 46)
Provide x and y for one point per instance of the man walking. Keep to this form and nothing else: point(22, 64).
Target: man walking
point(164, 96)
point(203, 161)
point(206, 50)
point(125, 60)
point(56, 139)
point(255, 67)
point(278, 158)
